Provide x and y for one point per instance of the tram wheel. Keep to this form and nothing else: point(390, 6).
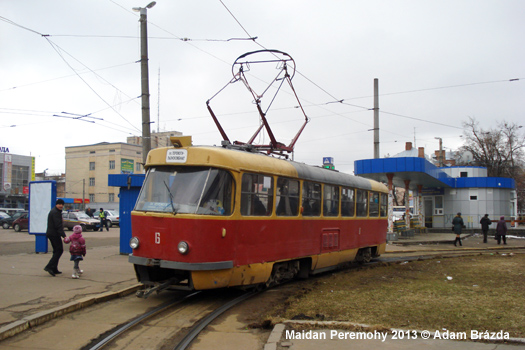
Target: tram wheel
point(364, 255)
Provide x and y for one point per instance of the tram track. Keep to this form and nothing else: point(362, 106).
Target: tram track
point(185, 334)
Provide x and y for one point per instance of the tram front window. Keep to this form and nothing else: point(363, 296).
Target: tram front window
point(187, 190)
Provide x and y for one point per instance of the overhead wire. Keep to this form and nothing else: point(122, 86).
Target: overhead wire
point(65, 76)
point(342, 101)
point(59, 51)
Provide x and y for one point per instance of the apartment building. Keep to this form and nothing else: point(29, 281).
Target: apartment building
point(87, 169)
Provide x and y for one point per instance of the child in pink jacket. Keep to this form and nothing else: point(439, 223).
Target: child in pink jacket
point(77, 249)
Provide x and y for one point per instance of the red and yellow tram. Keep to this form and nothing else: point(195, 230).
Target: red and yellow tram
point(213, 217)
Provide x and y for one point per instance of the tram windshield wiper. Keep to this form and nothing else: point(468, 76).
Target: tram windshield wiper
point(171, 198)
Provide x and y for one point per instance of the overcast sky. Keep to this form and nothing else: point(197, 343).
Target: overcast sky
point(438, 63)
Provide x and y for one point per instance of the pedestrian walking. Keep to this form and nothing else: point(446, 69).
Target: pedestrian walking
point(501, 230)
point(103, 219)
point(485, 223)
point(55, 233)
point(77, 250)
point(457, 226)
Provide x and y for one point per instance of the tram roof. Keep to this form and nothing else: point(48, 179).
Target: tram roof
point(238, 160)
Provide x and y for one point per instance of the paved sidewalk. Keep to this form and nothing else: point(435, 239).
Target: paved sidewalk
point(30, 296)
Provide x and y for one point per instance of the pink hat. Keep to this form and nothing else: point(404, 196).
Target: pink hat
point(77, 229)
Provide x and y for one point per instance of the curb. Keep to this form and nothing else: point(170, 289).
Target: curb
point(42, 317)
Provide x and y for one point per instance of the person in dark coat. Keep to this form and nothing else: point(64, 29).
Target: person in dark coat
point(501, 230)
point(485, 223)
point(458, 224)
point(55, 233)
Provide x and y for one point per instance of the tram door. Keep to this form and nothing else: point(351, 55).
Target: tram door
point(429, 211)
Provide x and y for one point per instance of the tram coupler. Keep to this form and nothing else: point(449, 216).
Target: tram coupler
point(145, 293)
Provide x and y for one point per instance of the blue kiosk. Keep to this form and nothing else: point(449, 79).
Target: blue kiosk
point(130, 185)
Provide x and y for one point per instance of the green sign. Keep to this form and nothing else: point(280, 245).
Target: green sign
point(127, 166)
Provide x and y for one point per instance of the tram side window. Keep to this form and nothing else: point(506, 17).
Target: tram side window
point(331, 201)
point(361, 202)
point(311, 199)
point(384, 204)
point(256, 195)
point(287, 197)
point(373, 200)
point(347, 202)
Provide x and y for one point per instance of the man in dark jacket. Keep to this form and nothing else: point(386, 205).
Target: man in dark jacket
point(55, 233)
point(485, 222)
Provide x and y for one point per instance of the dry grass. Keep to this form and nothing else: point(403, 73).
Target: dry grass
point(485, 293)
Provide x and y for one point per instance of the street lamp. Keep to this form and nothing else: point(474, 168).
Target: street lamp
point(440, 159)
point(146, 132)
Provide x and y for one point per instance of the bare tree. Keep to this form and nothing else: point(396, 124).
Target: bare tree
point(499, 150)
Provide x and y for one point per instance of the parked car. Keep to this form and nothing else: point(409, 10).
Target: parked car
point(7, 222)
point(22, 223)
point(73, 218)
point(113, 218)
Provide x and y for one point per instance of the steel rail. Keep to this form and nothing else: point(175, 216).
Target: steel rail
point(199, 326)
point(138, 320)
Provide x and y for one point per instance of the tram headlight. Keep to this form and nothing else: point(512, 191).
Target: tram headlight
point(183, 247)
point(134, 243)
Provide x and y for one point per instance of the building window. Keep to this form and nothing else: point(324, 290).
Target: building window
point(91, 165)
point(463, 174)
point(111, 164)
point(92, 152)
point(111, 197)
point(112, 150)
point(91, 198)
point(138, 166)
point(91, 181)
point(19, 179)
point(438, 202)
point(473, 194)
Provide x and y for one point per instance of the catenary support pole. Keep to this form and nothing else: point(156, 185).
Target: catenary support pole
point(376, 118)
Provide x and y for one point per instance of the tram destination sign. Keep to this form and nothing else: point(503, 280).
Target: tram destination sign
point(176, 156)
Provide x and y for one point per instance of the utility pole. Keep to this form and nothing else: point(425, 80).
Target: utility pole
point(146, 132)
point(376, 118)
